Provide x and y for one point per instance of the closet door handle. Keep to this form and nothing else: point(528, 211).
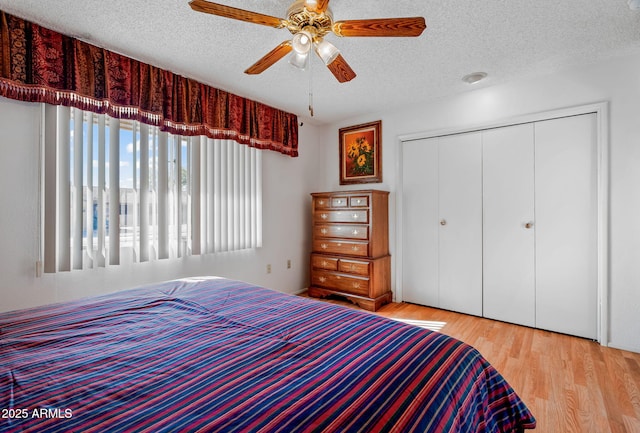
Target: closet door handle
point(443, 222)
point(528, 225)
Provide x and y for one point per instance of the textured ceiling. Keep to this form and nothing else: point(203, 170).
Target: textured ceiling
point(508, 39)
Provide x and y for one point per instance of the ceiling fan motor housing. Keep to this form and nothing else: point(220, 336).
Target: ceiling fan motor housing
point(300, 18)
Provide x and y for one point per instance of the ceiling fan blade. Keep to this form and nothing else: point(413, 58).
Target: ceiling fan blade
point(236, 14)
point(341, 69)
point(270, 58)
point(409, 26)
point(318, 6)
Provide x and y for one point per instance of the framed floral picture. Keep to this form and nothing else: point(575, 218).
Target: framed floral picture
point(360, 153)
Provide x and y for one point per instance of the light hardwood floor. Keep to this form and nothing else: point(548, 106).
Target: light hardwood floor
point(571, 385)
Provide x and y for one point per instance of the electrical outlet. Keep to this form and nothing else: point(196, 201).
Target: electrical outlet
point(268, 268)
point(289, 264)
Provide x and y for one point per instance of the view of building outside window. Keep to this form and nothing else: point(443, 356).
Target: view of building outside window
point(96, 203)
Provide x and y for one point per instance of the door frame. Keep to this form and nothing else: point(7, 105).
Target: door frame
point(601, 110)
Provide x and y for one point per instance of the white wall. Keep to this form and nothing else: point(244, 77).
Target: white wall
point(617, 81)
point(286, 225)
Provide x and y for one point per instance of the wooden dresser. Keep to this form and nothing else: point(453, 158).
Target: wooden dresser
point(350, 252)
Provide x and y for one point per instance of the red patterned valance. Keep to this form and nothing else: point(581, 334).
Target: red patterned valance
point(40, 65)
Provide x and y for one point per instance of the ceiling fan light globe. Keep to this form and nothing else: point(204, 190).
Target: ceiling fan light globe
point(301, 42)
point(327, 51)
point(299, 60)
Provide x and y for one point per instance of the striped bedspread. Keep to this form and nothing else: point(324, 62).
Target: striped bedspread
point(217, 355)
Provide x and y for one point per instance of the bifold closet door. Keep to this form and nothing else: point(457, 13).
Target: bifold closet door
point(460, 222)
point(509, 224)
point(442, 222)
point(420, 260)
point(566, 225)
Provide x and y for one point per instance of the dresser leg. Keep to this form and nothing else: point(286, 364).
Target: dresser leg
point(370, 304)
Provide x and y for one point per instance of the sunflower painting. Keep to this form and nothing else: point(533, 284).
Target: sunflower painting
point(360, 157)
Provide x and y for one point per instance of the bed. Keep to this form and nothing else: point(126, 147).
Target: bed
point(216, 355)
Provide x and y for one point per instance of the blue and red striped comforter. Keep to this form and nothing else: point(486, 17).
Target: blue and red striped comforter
point(217, 355)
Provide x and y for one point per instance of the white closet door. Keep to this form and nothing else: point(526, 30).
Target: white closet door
point(420, 222)
point(508, 244)
point(460, 219)
point(566, 225)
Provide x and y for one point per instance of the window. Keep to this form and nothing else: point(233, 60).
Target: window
point(118, 191)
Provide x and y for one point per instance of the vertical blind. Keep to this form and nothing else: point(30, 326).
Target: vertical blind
point(119, 191)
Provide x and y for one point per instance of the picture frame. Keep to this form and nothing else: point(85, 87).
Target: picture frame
point(360, 148)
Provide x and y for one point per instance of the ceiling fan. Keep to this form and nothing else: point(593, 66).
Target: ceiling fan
point(309, 21)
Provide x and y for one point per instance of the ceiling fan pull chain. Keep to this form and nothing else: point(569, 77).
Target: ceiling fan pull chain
point(310, 87)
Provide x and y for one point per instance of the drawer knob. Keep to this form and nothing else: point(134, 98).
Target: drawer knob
point(355, 232)
point(339, 244)
point(324, 231)
point(321, 202)
point(322, 279)
point(324, 246)
point(355, 216)
point(355, 248)
point(356, 285)
point(325, 263)
point(324, 216)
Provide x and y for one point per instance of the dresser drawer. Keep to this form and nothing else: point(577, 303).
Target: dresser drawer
point(350, 231)
point(322, 202)
point(344, 283)
point(342, 216)
point(339, 201)
point(350, 248)
point(353, 267)
point(359, 201)
point(320, 262)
